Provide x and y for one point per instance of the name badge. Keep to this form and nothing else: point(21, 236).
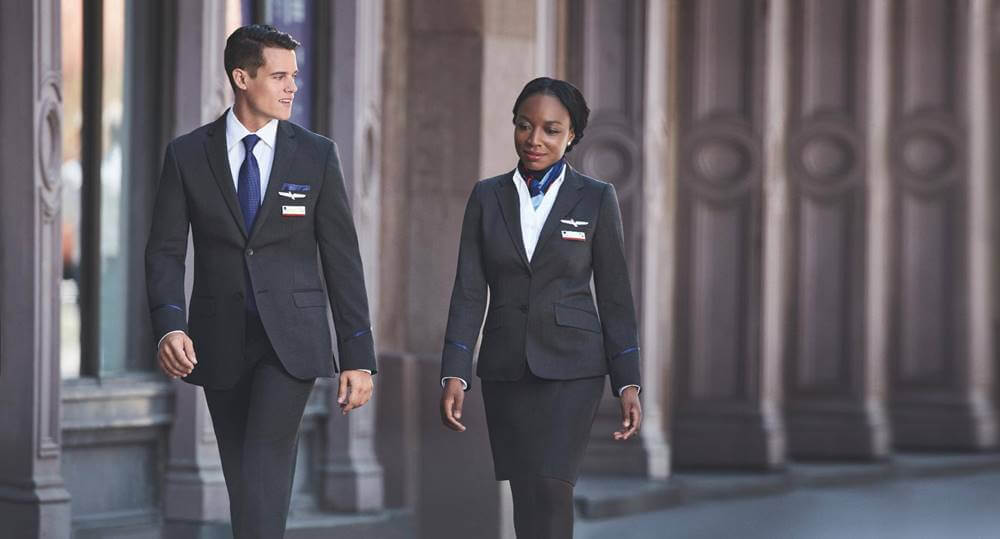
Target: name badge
point(573, 235)
point(293, 211)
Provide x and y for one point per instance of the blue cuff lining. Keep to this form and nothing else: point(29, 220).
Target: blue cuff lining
point(628, 350)
point(167, 306)
point(359, 333)
point(458, 345)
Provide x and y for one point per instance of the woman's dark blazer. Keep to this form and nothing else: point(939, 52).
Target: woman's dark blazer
point(542, 314)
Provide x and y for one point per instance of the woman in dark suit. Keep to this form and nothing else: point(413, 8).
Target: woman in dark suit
point(532, 239)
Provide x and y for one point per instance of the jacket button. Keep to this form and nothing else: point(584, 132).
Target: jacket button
point(249, 252)
point(524, 309)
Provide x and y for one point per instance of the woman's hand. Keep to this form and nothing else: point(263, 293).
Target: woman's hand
point(452, 397)
point(631, 413)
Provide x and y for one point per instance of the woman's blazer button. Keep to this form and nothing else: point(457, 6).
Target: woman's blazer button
point(523, 309)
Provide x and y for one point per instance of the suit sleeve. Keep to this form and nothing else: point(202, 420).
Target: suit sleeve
point(166, 250)
point(468, 297)
point(614, 295)
point(343, 271)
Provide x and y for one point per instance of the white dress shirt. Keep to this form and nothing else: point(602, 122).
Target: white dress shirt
point(263, 150)
point(532, 221)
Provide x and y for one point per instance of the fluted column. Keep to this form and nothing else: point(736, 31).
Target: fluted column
point(726, 395)
point(33, 499)
point(352, 476)
point(834, 405)
point(941, 351)
point(194, 487)
point(606, 58)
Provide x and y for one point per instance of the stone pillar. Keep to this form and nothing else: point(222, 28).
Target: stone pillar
point(33, 499)
point(726, 401)
point(941, 342)
point(833, 405)
point(607, 60)
point(194, 487)
point(352, 476)
point(445, 111)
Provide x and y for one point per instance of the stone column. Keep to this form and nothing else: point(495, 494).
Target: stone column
point(940, 340)
point(607, 59)
point(445, 130)
point(194, 487)
point(352, 476)
point(833, 405)
point(726, 401)
point(33, 499)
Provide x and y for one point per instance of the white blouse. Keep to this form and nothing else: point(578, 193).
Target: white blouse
point(532, 219)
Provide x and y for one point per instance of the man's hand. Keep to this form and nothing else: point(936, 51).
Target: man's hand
point(452, 397)
point(176, 355)
point(355, 390)
point(631, 414)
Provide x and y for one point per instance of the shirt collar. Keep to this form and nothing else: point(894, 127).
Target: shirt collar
point(522, 186)
point(236, 131)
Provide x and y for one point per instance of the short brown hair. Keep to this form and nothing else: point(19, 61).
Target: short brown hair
point(245, 48)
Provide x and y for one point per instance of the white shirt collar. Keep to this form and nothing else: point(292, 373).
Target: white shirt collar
point(521, 185)
point(236, 131)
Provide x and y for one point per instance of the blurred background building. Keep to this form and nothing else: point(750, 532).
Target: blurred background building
point(808, 189)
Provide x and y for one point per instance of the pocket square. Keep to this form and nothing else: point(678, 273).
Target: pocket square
point(295, 187)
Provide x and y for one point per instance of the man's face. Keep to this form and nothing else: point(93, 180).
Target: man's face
point(270, 93)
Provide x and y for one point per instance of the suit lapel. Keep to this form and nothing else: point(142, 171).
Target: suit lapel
point(567, 199)
point(510, 207)
point(284, 153)
point(218, 161)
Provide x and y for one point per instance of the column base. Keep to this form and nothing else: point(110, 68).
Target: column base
point(837, 430)
point(737, 439)
point(354, 487)
point(929, 421)
point(196, 495)
point(35, 512)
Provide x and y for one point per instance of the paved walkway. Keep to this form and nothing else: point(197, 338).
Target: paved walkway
point(956, 507)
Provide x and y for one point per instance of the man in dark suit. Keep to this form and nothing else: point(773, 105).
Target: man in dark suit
point(261, 196)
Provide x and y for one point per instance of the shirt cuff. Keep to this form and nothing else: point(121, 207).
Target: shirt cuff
point(465, 385)
point(165, 336)
point(623, 388)
point(369, 371)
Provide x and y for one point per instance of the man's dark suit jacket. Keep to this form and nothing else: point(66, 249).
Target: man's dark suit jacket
point(291, 289)
point(542, 313)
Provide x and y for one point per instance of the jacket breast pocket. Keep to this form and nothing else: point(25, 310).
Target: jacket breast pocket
point(573, 317)
point(309, 298)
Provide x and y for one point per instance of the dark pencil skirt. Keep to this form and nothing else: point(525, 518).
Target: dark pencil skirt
point(540, 427)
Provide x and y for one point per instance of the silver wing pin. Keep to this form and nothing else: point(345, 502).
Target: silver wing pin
point(291, 195)
point(574, 223)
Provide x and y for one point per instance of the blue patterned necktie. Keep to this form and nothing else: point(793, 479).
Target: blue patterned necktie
point(248, 183)
point(248, 191)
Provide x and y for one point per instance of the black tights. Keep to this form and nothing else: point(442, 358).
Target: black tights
point(543, 508)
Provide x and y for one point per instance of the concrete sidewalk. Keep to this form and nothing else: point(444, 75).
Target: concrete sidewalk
point(954, 507)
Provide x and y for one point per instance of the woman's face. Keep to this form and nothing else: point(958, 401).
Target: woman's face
point(542, 131)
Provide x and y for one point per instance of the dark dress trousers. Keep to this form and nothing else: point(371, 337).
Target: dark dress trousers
point(258, 366)
point(545, 345)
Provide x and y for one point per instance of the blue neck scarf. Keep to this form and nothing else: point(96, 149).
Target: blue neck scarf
point(539, 181)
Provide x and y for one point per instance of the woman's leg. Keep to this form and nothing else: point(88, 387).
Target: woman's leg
point(543, 508)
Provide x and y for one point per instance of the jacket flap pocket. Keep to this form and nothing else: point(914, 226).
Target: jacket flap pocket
point(309, 298)
point(577, 318)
